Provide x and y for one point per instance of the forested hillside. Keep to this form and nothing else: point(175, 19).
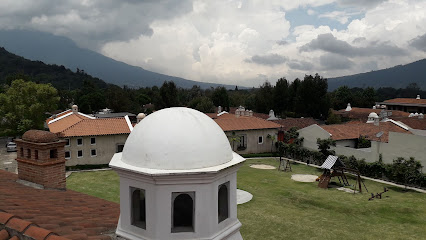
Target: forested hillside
point(14, 67)
point(395, 77)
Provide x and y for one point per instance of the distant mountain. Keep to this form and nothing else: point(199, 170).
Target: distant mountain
point(397, 77)
point(53, 49)
point(13, 67)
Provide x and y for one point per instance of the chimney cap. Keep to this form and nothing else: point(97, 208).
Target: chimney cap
point(418, 96)
point(39, 136)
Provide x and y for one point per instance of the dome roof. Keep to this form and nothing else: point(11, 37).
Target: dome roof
point(177, 139)
point(39, 136)
point(373, 115)
point(141, 116)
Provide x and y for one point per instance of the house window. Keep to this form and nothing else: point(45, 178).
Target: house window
point(22, 152)
point(223, 202)
point(183, 212)
point(67, 142)
point(28, 153)
point(93, 152)
point(79, 141)
point(80, 153)
point(260, 141)
point(67, 155)
point(53, 153)
point(35, 154)
point(138, 211)
point(92, 141)
point(120, 148)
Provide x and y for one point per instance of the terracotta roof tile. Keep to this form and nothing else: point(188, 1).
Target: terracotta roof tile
point(37, 233)
point(413, 122)
point(70, 214)
point(4, 217)
point(4, 234)
point(96, 127)
point(362, 113)
point(229, 122)
point(407, 101)
point(64, 123)
point(353, 130)
point(300, 123)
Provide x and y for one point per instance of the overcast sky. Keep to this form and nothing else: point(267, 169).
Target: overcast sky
point(235, 42)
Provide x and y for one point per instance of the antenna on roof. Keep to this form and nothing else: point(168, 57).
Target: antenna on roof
point(379, 134)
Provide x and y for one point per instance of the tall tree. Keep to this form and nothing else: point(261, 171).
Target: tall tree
point(23, 106)
point(220, 98)
point(264, 101)
point(169, 94)
point(281, 96)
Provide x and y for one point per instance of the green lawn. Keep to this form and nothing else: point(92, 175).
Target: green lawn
point(284, 209)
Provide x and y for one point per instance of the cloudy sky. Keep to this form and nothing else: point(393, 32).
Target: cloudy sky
point(235, 42)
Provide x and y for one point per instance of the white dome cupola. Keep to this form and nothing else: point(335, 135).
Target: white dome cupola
point(178, 179)
point(176, 139)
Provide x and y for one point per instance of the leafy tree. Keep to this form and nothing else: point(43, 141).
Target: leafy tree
point(333, 118)
point(273, 139)
point(406, 171)
point(169, 94)
point(220, 98)
point(263, 98)
point(23, 106)
point(324, 145)
point(281, 96)
point(202, 104)
point(363, 142)
point(233, 139)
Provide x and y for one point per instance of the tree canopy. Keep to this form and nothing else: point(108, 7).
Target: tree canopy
point(23, 106)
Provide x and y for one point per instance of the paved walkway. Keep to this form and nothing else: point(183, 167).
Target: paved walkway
point(368, 178)
point(7, 160)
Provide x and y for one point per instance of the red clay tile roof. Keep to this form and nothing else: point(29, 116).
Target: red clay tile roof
point(300, 123)
point(12, 227)
point(413, 122)
point(362, 113)
point(64, 123)
point(354, 129)
point(409, 101)
point(78, 125)
point(70, 214)
point(229, 122)
point(97, 127)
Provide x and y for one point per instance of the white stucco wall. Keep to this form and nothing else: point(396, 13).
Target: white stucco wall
point(310, 135)
point(159, 194)
point(105, 147)
point(252, 140)
point(399, 145)
point(404, 145)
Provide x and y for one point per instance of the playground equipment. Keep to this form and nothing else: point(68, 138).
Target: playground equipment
point(285, 165)
point(378, 195)
point(333, 167)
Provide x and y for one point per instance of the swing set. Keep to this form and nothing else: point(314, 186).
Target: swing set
point(333, 167)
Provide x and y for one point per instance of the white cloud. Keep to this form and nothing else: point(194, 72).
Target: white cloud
point(212, 40)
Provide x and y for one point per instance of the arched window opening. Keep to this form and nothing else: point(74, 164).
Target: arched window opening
point(138, 210)
point(183, 212)
point(28, 153)
point(223, 202)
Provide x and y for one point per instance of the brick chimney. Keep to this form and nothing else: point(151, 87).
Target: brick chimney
point(41, 159)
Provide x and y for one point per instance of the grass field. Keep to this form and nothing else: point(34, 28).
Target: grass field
point(284, 209)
